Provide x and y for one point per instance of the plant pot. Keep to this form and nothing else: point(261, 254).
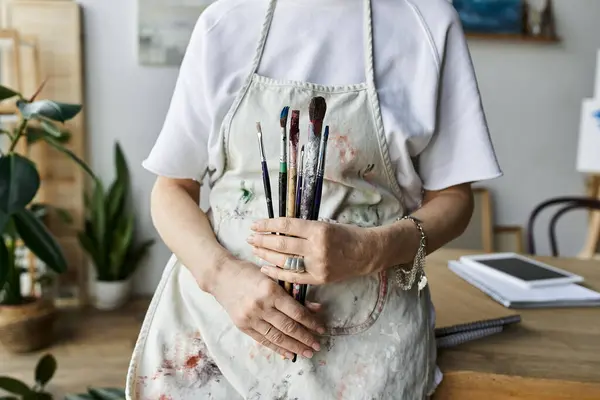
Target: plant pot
point(27, 327)
point(111, 295)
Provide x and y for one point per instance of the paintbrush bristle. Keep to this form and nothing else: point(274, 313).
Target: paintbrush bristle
point(295, 126)
point(317, 109)
point(258, 129)
point(284, 116)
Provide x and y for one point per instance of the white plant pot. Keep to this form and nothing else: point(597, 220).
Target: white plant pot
point(111, 295)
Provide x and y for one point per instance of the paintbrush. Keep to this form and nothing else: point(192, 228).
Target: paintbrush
point(316, 111)
point(266, 179)
point(294, 138)
point(299, 186)
point(283, 162)
point(265, 171)
point(296, 287)
point(320, 173)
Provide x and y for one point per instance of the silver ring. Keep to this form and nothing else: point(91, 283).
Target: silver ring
point(295, 264)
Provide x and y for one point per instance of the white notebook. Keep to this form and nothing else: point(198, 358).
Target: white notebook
point(513, 296)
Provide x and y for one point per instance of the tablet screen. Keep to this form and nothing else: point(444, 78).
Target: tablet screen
point(521, 269)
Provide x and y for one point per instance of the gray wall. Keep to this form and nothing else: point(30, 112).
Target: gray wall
point(532, 95)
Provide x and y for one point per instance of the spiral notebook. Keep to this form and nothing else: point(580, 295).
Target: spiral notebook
point(513, 296)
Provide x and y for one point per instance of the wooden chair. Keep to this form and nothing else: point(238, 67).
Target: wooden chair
point(569, 204)
point(479, 235)
point(509, 239)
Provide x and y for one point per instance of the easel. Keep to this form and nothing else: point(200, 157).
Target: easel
point(593, 236)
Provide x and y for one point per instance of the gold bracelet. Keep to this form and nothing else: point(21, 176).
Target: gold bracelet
point(406, 275)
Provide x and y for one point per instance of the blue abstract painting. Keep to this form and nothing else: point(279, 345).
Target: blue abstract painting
point(490, 16)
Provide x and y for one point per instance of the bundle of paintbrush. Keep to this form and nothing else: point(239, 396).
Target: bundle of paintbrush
point(313, 171)
point(300, 181)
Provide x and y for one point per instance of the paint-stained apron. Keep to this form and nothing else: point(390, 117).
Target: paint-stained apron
point(379, 343)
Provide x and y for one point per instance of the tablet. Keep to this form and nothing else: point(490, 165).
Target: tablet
point(520, 270)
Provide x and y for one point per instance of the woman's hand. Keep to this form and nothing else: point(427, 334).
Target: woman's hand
point(261, 309)
point(331, 252)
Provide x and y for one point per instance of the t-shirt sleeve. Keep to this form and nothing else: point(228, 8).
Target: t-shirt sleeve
point(460, 150)
point(181, 150)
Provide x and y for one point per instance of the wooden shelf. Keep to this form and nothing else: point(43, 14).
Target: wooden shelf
point(512, 37)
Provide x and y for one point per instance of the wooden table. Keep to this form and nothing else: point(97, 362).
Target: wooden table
point(552, 354)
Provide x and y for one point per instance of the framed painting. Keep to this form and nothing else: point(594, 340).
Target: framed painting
point(491, 16)
point(164, 29)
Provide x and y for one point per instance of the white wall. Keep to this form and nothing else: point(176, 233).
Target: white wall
point(532, 95)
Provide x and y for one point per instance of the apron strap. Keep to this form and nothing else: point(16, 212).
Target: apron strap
point(263, 36)
point(368, 44)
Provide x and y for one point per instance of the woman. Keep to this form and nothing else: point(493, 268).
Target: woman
point(408, 137)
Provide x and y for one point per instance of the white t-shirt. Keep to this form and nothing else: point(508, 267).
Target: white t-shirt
point(425, 82)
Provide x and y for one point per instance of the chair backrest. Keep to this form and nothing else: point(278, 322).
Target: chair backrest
point(569, 204)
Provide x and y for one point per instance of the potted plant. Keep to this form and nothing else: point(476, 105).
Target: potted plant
point(109, 238)
point(26, 322)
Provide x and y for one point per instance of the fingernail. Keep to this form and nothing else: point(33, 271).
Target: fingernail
point(307, 353)
point(289, 355)
point(250, 239)
point(321, 330)
point(316, 346)
point(254, 226)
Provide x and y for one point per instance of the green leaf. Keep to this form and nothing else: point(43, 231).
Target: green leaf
point(45, 369)
point(54, 143)
point(98, 219)
point(19, 183)
point(87, 243)
point(35, 133)
point(115, 200)
point(6, 93)
point(121, 165)
point(8, 398)
point(4, 259)
point(122, 241)
point(39, 240)
point(55, 132)
point(53, 110)
point(12, 385)
point(107, 394)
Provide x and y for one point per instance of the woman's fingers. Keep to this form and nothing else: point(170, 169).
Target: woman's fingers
point(290, 307)
point(293, 329)
point(288, 226)
point(279, 274)
point(262, 340)
point(279, 243)
point(314, 307)
point(281, 340)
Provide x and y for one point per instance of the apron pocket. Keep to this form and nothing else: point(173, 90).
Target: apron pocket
point(351, 307)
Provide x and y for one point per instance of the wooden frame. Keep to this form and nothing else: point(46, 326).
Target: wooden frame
point(510, 233)
point(593, 236)
point(479, 235)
